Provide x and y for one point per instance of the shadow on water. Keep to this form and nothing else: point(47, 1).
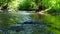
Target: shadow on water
point(25, 25)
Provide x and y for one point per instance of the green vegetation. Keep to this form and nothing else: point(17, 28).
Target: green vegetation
point(50, 17)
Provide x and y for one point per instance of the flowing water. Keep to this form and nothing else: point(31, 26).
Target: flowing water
point(29, 28)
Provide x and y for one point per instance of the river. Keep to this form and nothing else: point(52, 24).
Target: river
point(29, 28)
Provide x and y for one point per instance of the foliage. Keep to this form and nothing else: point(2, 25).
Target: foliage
point(9, 19)
point(25, 4)
point(2, 2)
point(55, 4)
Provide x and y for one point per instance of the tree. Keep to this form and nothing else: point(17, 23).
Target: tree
point(55, 4)
point(39, 5)
point(4, 4)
